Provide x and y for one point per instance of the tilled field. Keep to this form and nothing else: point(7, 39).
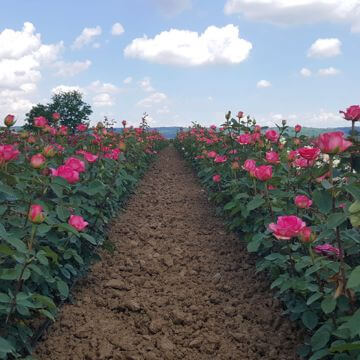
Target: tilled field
point(176, 287)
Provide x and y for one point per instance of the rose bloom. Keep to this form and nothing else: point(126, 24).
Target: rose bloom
point(333, 142)
point(263, 172)
point(327, 250)
point(244, 139)
point(63, 130)
point(56, 116)
point(272, 135)
point(213, 127)
point(302, 202)
point(257, 128)
point(292, 155)
point(76, 164)
point(297, 128)
point(219, 159)
point(216, 178)
point(40, 121)
point(49, 151)
point(8, 153)
point(272, 157)
point(212, 154)
point(255, 137)
point(322, 177)
point(239, 115)
point(287, 227)
point(89, 157)
point(309, 153)
point(37, 161)
point(36, 214)
point(77, 222)
point(66, 172)
point(352, 113)
point(305, 235)
point(9, 120)
point(303, 163)
point(249, 165)
point(49, 129)
point(81, 127)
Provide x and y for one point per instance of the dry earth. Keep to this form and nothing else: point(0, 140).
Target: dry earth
point(176, 287)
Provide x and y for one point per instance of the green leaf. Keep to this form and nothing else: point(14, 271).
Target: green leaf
point(320, 339)
point(354, 190)
point(319, 354)
point(328, 305)
point(62, 212)
point(323, 200)
point(69, 228)
point(256, 202)
point(254, 244)
point(310, 319)
point(63, 288)
point(354, 279)
point(313, 298)
point(4, 249)
point(345, 347)
point(335, 220)
point(57, 189)
point(5, 346)
point(48, 314)
point(89, 238)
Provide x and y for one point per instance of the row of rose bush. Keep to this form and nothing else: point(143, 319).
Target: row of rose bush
point(58, 190)
point(296, 202)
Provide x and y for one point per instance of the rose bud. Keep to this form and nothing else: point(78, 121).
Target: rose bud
point(9, 120)
point(36, 214)
point(37, 161)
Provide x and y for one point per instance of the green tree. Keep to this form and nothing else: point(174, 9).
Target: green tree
point(70, 105)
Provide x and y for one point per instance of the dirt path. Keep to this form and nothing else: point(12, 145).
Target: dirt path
point(176, 287)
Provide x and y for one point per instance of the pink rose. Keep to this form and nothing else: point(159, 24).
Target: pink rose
point(287, 227)
point(76, 164)
point(219, 159)
point(272, 157)
point(36, 214)
point(8, 153)
point(212, 154)
point(352, 113)
point(257, 129)
point(81, 127)
point(327, 250)
point(292, 155)
point(309, 153)
point(263, 172)
point(49, 151)
point(124, 123)
point(272, 135)
point(239, 115)
point(40, 121)
point(249, 165)
point(66, 172)
point(333, 142)
point(302, 202)
point(77, 222)
point(56, 116)
point(213, 127)
point(297, 128)
point(216, 178)
point(9, 120)
point(306, 235)
point(244, 139)
point(303, 163)
point(63, 130)
point(37, 161)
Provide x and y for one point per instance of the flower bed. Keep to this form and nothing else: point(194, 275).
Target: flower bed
point(296, 202)
point(58, 191)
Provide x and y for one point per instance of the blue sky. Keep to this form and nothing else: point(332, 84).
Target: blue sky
point(184, 60)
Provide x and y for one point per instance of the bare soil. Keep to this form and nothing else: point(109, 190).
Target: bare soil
point(177, 286)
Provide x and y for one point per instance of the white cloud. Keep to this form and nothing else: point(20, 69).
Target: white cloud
point(101, 100)
point(288, 12)
point(155, 98)
point(188, 48)
point(330, 71)
point(325, 48)
point(263, 84)
point(86, 37)
point(128, 80)
point(69, 69)
point(66, 88)
point(22, 59)
point(145, 84)
point(96, 45)
point(173, 7)
point(100, 87)
point(117, 29)
point(164, 110)
point(305, 72)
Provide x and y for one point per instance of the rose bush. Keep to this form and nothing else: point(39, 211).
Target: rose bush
point(300, 215)
point(58, 191)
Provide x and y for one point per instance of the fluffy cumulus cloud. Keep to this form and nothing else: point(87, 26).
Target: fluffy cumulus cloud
point(188, 48)
point(173, 7)
point(262, 84)
point(22, 59)
point(104, 93)
point(67, 88)
point(323, 48)
point(101, 100)
point(330, 71)
point(153, 99)
point(305, 72)
point(87, 36)
point(286, 12)
point(145, 84)
point(69, 69)
point(100, 87)
point(117, 29)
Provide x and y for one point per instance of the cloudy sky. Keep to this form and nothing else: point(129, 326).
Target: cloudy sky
point(184, 61)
